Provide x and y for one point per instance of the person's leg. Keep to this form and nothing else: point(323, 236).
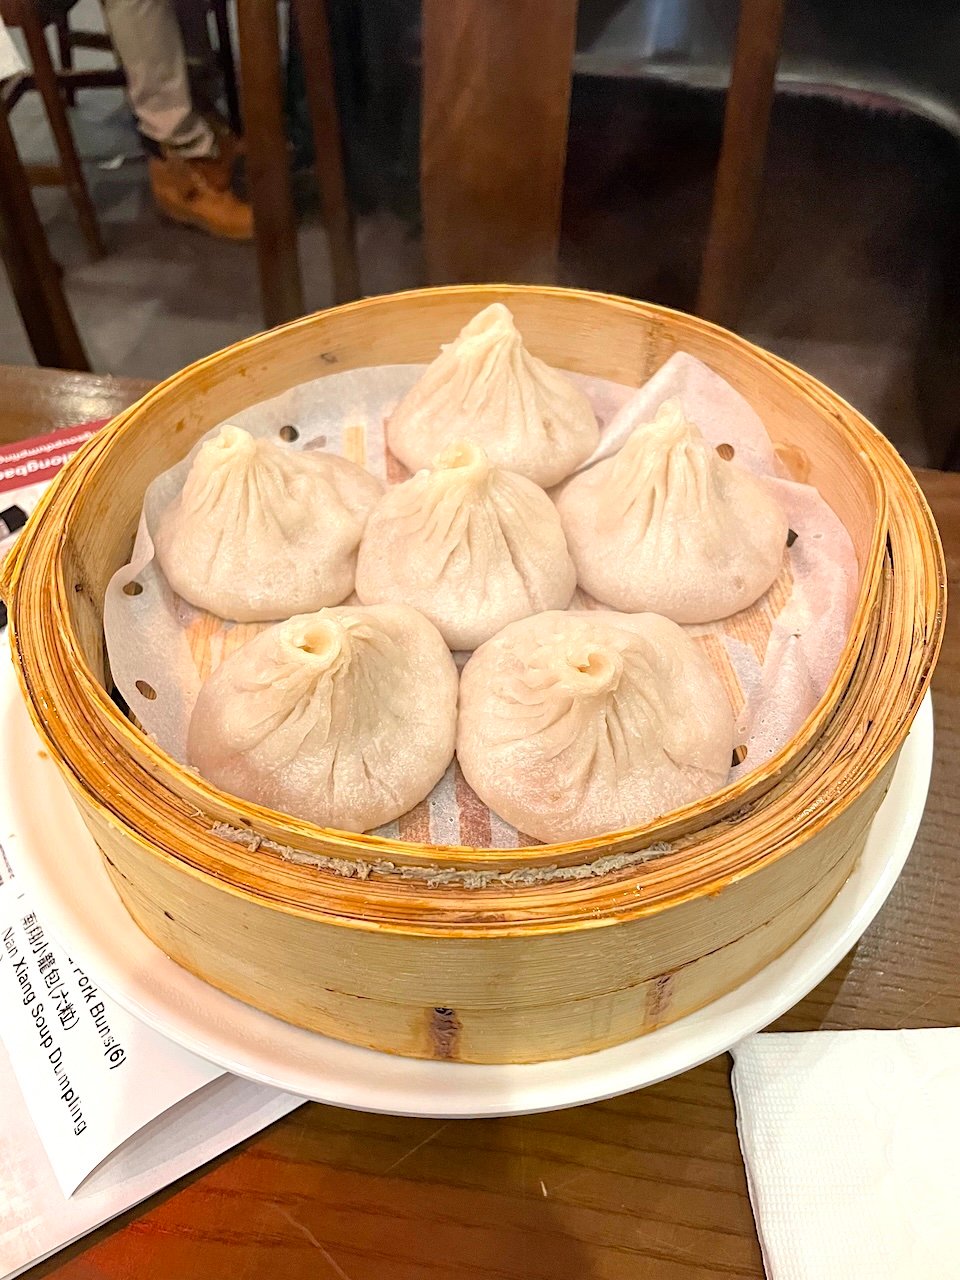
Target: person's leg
point(150, 47)
point(189, 164)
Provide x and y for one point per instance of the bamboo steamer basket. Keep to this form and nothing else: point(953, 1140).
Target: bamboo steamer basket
point(452, 952)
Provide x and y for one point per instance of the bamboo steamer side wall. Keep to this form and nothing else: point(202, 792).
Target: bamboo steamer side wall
point(486, 999)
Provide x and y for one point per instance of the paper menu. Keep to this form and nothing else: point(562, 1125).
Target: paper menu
point(91, 1074)
point(36, 1219)
point(26, 469)
point(120, 1111)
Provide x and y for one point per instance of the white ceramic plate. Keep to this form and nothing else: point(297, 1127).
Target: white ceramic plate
point(55, 856)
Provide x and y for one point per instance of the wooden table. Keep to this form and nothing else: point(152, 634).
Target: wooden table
point(36, 400)
point(648, 1185)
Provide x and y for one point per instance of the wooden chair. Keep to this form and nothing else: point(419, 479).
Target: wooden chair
point(58, 87)
point(268, 169)
point(34, 276)
point(33, 17)
point(69, 38)
point(496, 100)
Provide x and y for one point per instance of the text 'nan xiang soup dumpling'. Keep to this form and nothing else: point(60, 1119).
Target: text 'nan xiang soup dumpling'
point(261, 532)
point(669, 526)
point(487, 387)
point(470, 545)
point(345, 717)
point(575, 724)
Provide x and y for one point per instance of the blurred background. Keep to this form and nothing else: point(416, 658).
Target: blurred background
point(533, 140)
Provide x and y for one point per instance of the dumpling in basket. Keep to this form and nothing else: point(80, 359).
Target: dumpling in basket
point(469, 544)
point(574, 724)
point(260, 532)
point(487, 387)
point(345, 717)
point(669, 526)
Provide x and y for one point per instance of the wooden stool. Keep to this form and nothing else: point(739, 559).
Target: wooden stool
point(32, 18)
point(68, 40)
point(268, 169)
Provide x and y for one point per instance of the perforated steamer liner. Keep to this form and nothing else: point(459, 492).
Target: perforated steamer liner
point(448, 952)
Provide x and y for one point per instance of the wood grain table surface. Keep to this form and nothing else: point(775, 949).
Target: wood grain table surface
point(651, 1184)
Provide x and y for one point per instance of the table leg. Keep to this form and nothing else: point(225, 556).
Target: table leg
point(739, 182)
point(314, 31)
point(268, 168)
point(496, 102)
point(34, 276)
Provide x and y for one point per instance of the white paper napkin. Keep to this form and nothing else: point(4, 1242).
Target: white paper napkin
point(851, 1141)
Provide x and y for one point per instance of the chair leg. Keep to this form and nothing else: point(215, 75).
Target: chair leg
point(34, 276)
point(268, 168)
point(228, 68)
point(49, 89)
point(739, 182)
point(65, 52)
point(314, 32)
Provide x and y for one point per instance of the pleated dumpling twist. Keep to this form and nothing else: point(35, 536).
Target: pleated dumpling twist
point(471, 545)
point(345, 717)
point(669, 526)
point(485, 386)
point(573, 724)
point(260, 532)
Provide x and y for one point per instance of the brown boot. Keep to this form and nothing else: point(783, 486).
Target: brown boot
point(188, 191)
point(229, 150)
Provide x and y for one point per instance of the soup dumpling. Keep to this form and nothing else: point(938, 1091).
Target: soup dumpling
point(260, 532)
point(578, 723)
point(486, 386)
point(471, 545)
point(668, 526)
point(345, 717)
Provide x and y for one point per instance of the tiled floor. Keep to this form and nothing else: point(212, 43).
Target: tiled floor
point(844, 269)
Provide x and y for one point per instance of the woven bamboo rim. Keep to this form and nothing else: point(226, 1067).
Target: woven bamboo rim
point(855, 731)
point(254, 355)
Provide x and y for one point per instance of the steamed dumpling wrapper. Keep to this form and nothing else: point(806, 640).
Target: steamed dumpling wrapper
point(471, 545)
point(485, 386)
point(669, 526)
point(260, 532)
point(345, 717)
point(574, 724)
